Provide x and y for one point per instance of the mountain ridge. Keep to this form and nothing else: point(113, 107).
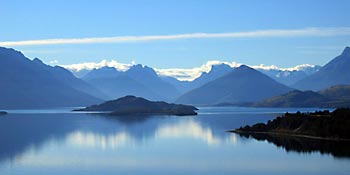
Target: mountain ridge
point(335, 72)
point(27, 84)
point(238, 86)
point(333, 97)
point(138, 80)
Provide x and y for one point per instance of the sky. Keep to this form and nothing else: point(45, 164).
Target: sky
point(177, 33)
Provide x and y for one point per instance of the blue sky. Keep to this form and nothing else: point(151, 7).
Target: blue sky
point(42, 20)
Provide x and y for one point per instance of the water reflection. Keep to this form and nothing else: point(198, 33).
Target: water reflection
point(190, 129)
point(338, 149)
point(90, 139)
point(77, 143)
point(24, 132)
point(126, 137)
point(20, 132)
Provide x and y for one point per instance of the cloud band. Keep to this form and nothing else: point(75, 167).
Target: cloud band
point(306, 32)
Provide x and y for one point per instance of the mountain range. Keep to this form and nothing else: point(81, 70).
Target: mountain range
point(215, 72)
point(236, 88)
point(284, 76)
point(287, 76)
point(138, 80)
point(241, 85)
point(33, 84)
point(333, 73)
point(334, 97)
point(290, 77)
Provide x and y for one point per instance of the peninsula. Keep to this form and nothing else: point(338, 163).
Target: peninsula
point(320, 124)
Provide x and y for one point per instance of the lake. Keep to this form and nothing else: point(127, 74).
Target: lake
point(57, 141)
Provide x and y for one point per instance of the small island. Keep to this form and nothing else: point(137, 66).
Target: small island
point(3, 112)
point(131, 105)
point(319, 125)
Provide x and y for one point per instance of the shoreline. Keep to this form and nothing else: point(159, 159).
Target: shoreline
point(288, 134)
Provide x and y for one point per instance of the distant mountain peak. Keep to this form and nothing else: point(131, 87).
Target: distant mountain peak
point(107, 68)
point(220, 67)
point(245, 67)
point(241, 85)
point(37, 60)
point(105, 72)
point(138, 67)
point(141, 68)
point(245, 70)
point(334, 72)
point(346, 51)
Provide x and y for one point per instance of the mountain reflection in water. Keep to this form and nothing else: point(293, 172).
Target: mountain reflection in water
point(78, 143)
point(339, 149)
point(190, 129)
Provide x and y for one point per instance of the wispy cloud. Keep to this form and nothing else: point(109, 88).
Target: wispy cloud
point(305, 32)
point(40, 51)
point(53, 62)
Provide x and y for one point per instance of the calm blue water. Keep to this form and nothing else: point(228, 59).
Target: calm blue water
point(57, 141)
